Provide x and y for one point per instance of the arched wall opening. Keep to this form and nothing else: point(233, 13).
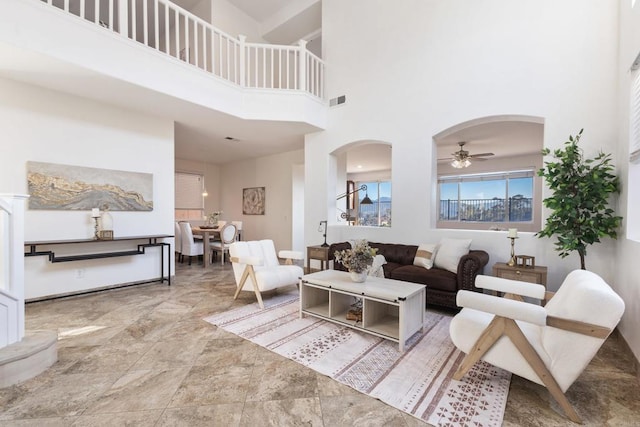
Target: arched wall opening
point(486, 172)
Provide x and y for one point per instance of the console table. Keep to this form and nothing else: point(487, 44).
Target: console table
point(152, 241)
point(391, 309)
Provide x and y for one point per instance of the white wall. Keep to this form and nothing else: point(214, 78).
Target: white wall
point(233, 21)
point(448, 63)
point(275, 173)
point(47, 126)
point(627, 281)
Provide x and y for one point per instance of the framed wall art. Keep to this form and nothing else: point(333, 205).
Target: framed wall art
point(253, 201)
point(63, 187)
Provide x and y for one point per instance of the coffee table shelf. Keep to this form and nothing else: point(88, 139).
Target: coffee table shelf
point(391, 309)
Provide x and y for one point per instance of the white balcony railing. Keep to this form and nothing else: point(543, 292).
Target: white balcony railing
point(174, 31)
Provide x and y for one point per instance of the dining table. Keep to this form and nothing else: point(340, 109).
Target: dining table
point(208, 234)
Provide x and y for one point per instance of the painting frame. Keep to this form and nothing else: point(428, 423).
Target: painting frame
point(253, 201)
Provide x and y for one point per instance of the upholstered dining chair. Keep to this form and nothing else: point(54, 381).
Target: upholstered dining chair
point(238, 225)
point(227, 237)
point(257, 269)
point(548, 344)
point(190, 247)
point(178, 241)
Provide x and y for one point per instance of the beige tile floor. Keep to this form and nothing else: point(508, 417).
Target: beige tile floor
point(143, 356)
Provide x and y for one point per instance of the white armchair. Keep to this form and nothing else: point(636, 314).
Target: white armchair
point(257, 268)
point(550, 345)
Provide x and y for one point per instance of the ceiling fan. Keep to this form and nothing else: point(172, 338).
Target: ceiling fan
point(462, 159)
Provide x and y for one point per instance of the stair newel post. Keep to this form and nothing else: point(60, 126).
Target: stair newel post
point(243, 59)
point(302, 65)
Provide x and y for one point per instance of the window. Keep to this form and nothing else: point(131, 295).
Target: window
point(503, 197)
point(378, 213)
point(189, 201)
point(633, 198)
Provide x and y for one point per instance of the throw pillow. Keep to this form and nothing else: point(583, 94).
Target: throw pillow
point(449, 253)
point(425, 255)
point(376, 269)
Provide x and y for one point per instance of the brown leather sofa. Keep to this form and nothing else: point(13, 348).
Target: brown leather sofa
point(442, 285)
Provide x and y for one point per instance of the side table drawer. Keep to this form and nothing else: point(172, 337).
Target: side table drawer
point(317, 253)
point(522, 275)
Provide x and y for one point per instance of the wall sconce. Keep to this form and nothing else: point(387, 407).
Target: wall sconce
point(365, 201)
point(322, 228)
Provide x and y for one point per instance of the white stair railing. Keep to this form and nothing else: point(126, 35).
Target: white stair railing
point(174, 31)
point(11, 268)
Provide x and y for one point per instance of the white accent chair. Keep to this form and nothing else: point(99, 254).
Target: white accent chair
point(257, 268)
point(227, 237)
point(190, 247)
point(178, 242)
point(550, 345)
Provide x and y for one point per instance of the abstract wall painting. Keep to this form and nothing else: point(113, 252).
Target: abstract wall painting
point(63, 187)
point(253, 201)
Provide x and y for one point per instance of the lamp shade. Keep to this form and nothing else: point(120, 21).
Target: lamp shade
point(366, 200)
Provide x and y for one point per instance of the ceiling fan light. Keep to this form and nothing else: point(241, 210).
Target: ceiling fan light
point(457, 164)
point(466, 163)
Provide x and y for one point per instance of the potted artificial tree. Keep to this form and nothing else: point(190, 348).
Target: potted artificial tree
point(580, 212)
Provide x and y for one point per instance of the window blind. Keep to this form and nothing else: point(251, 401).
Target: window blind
point(634, 144)
point(188, 189)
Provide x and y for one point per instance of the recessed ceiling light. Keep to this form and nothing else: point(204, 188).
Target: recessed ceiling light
point(359, 166)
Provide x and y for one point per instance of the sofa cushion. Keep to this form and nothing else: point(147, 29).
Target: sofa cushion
point(425, 255)
point(449, 253)
point(396, 253)
point(435, 279)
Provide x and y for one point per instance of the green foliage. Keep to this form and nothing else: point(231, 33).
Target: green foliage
point(581, 190)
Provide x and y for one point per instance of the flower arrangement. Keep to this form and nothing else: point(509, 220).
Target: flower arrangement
point(213, 217)
point(359, 258)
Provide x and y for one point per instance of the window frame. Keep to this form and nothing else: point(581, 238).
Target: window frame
point(357, 201)
point(527, 172)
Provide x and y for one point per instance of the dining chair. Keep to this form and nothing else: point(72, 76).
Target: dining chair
point(227, 237)
point(178, 241)
point(190, 247)
point(238, 225)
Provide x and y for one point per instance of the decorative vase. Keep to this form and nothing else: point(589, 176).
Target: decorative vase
point(358, 277)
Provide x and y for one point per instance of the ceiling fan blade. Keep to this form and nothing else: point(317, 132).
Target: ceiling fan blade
point(481, 155)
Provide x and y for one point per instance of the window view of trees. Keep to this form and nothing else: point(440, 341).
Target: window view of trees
point(503, 197)
point(377, 214)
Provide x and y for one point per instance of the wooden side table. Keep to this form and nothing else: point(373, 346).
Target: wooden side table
point(320, 253)
point(537, 274)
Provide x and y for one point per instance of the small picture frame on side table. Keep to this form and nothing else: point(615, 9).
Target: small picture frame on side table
point(525, 261)
point(105, 234)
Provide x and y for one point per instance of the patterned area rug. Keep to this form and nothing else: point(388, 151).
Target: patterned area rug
point(417, 381)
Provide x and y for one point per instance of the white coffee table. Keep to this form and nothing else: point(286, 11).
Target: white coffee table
point(391, 309)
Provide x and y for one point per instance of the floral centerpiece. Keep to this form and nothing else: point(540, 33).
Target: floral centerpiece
point(213, 217)
point(357, 259)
